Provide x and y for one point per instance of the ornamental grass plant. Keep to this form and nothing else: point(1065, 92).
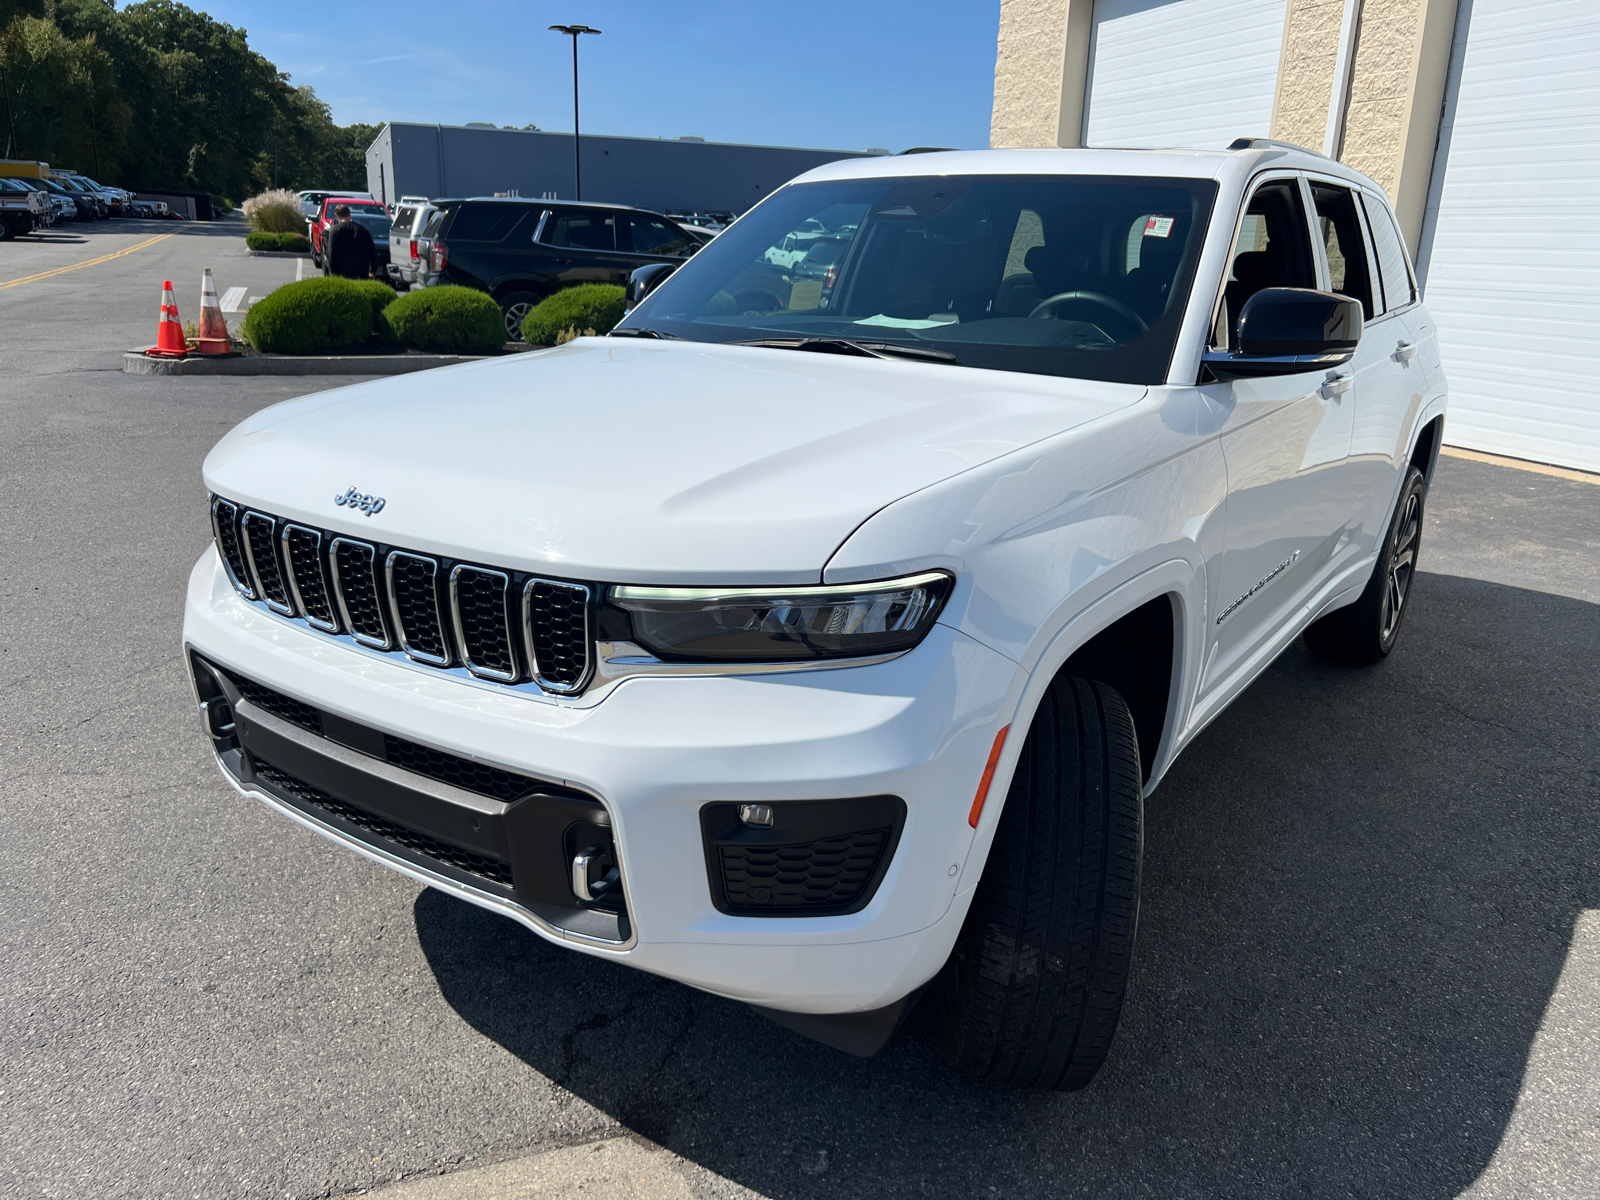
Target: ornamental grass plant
point(275, 211)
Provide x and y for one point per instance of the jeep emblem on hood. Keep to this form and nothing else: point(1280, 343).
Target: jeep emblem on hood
point(367, 504)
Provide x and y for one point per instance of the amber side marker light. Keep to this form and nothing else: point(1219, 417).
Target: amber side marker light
point(988, 777)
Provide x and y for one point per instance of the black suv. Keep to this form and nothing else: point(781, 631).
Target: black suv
point(520, 251)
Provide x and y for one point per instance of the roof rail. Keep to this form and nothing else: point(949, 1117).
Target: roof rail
point(927, 150)
point(1260, 143)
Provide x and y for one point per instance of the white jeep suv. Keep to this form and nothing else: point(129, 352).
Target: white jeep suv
point(814, 638)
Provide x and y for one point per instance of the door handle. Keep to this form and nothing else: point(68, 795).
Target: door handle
point(1404, 351)
point(1333, 388)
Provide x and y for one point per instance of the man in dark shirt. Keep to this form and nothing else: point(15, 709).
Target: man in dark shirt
point(350, 249)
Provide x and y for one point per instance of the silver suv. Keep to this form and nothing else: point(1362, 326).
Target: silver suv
point(407, 263)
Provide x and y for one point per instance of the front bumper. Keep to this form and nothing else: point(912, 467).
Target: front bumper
point(655, 753)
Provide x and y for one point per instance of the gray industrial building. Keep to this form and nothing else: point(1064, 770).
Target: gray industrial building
point(653, 173)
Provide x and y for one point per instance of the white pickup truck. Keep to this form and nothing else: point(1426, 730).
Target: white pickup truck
point(814, 638)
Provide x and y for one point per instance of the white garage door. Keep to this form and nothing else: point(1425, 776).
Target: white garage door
point(1182, 72)
point(1513, 264)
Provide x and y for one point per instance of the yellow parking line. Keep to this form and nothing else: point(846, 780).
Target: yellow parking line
point(11, 283)
point(1520, 464)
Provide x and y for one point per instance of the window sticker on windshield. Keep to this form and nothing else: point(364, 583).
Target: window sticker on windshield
point(1158, 227)
point(805, 295)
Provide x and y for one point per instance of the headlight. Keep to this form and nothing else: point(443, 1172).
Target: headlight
point(784, 624)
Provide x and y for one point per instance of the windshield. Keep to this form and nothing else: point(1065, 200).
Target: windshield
point(1074, 275)
point(377, 224)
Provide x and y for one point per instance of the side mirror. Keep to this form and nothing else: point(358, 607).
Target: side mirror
point(1287, 331)
point(645, 280)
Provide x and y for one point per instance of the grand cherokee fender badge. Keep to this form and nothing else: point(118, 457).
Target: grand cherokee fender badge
point(1265, 579)
point(367, 504)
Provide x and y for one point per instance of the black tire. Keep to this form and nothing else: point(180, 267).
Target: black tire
point(1032, 993)
point(1366, 631)
point(515, 306)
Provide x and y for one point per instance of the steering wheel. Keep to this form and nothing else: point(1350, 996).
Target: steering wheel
point(1046, 308)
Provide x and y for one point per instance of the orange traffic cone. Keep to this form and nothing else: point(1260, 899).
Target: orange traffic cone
point(213, 327)
point(169, 333)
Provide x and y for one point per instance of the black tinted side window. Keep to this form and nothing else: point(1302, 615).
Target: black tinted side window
point(651, 236)
point(1398, 289)
point(1274, 247)
point(485, 222)
point(1340, 228)
point(579, 229)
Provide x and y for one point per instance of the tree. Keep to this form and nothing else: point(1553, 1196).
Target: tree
point(161, 95)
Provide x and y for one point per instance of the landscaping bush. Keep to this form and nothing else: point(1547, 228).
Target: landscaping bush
point(297, 242)
point(262, 241)
point(275, 211)
point(311, 316)
point(447, 320)
point(589, 308)
point(380, 295)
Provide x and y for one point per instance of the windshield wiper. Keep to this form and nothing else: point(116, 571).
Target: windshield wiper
point(837, 345)
point(641, 331)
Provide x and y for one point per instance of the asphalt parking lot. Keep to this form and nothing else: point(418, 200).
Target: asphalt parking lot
point(1369, 961)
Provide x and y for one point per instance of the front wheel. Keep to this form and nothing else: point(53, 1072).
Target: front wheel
point(1032, 993)
point(515, 306)
point(1365, 632)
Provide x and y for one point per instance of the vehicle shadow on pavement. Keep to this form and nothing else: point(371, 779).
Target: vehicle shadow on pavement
point(1360, 887)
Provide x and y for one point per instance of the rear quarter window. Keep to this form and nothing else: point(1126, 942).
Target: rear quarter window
point(486, 222)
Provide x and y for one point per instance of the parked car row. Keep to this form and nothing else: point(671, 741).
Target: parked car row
point(517, 250)
point(36, 196)
point(520, 251)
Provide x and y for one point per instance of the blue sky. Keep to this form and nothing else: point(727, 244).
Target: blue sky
point(829, 73)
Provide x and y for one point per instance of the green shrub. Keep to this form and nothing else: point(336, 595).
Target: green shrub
point(297, 242)
point(311, 316)
point(447, 320)
point(380, 295)
point(589, 308)
point(262, 241)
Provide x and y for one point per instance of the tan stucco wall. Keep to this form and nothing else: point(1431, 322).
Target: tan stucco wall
point(1041, 63)
point(1396, 98)
point(1397, 81)
point(1305, 72)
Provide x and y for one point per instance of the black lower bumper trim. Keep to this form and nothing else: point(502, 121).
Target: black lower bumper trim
point(343, 775)
point(863, 1034)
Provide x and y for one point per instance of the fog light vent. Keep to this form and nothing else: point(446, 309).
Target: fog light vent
point(800, 858)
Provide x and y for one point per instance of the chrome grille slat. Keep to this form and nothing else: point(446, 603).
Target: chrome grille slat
point(308, 579)
point(499, 626)
point(555, 624)
point(261, 551)
point(480, 612)
point(225, 528)
point(355, 588)
point(414, 600)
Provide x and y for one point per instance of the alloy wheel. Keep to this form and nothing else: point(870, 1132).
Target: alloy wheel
point(514, 315)
point(1402, 563)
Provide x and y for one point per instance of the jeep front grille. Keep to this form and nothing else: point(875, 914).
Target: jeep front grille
point(504, 626)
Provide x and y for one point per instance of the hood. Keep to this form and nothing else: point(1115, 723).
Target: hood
point(641, 461)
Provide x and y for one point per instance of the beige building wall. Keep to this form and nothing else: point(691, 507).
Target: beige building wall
point(1040, 71)
point(1396, 84)
point(1306, 70)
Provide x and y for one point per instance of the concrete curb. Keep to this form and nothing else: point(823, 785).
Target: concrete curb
point(279, 253)
point(134, 362)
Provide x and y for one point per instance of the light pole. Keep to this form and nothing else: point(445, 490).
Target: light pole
point(577, 170)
